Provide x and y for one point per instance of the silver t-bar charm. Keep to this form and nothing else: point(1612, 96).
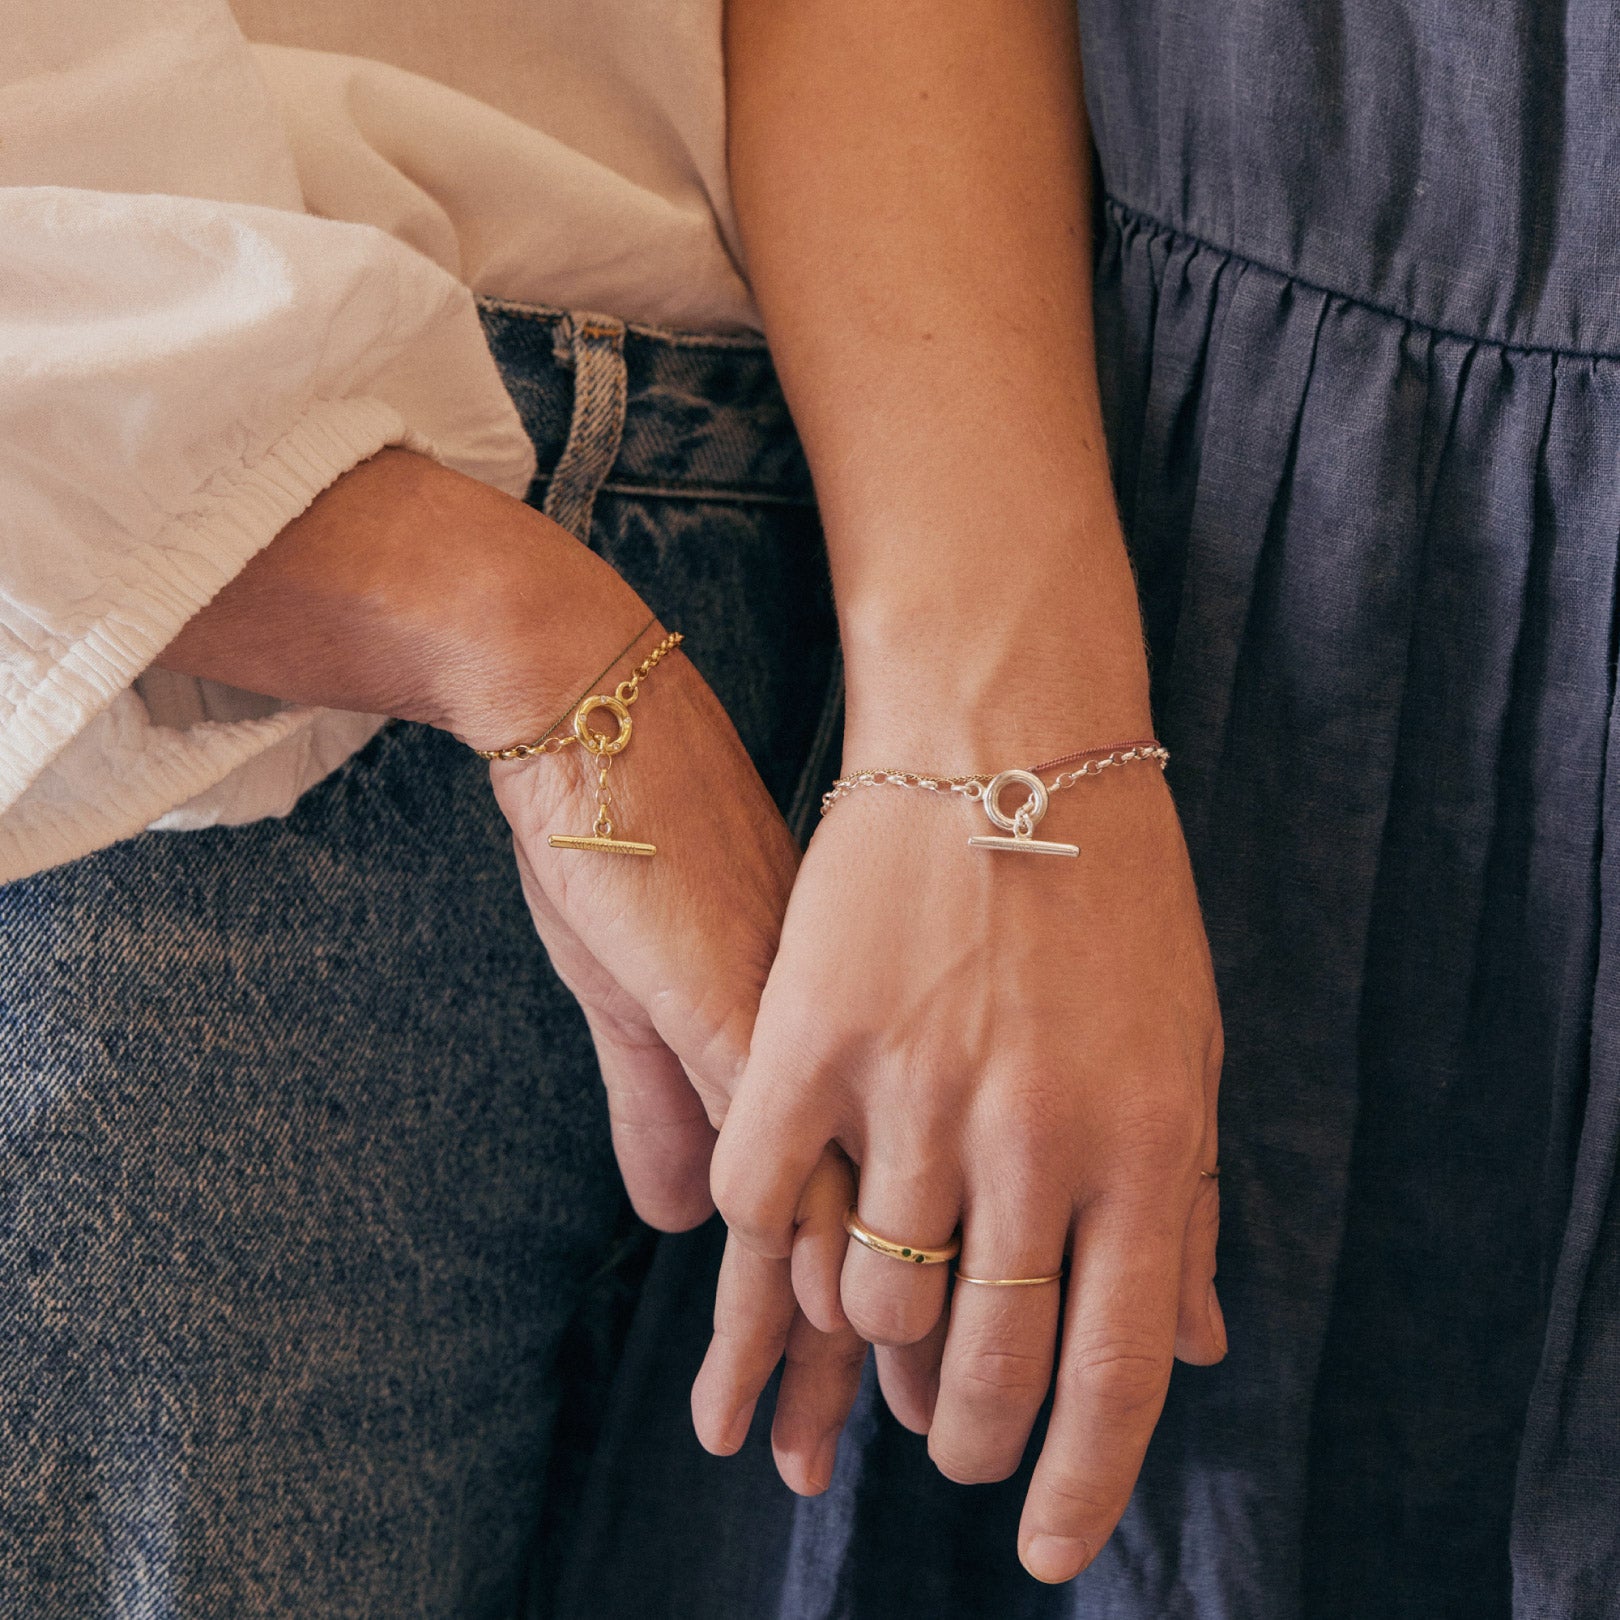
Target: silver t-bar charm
point(1021, 824)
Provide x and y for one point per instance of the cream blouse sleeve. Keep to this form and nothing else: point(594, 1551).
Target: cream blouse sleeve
point(186, 359)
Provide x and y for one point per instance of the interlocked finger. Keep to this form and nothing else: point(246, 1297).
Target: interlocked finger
point(908, 1376)
point(768, 1150)
point(661, 1134)
point(753, 1313)
point(821, 1374)
point(820, 1242)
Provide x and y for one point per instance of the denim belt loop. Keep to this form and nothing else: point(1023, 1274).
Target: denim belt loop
point(597, 346)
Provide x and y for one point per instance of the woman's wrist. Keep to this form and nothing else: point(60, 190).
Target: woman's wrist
point(547, 619)
point(409, 590)
point(1010, 663)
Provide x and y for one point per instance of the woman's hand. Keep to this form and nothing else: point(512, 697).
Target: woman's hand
point(667, 954)
point(409, 590)
point(1026, 1045)
point(1027, 1048)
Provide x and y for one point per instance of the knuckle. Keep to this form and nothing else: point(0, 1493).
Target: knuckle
point(670, 1208)
point(1003, 1376)
point(734, 1188)
point(1031, 1140)
point(1074, 1502)
point(749, 1347)
point(1029, 1090)
point(914, 1153)
point(883, 1318)
point(837, 1354)
point(745, 1204)
point(1127, 1381)
point(1161, 1133)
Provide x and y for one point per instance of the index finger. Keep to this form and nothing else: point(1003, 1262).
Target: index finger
point(1114, 1368)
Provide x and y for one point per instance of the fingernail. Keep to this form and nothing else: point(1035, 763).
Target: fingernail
point(1217, 1319)
point(1056, 1558)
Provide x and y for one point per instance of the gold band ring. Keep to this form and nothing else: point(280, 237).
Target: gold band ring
point(910, 1252)
point(1211, 1175)
point(1008, 1282)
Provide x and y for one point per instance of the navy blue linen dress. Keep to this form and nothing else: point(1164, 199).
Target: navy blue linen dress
point(1358, 301)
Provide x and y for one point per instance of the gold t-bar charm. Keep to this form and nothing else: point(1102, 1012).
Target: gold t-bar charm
point(602, 747)
point(1021, 824)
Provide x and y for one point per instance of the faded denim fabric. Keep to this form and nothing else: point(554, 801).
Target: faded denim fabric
point(308, 1216)
point(1358, 301)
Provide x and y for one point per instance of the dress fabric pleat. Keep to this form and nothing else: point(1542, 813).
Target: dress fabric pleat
point(1358, 319)
point(1380, 588)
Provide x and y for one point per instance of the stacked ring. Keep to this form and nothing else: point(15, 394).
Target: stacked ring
point(918, 1254)
point(913, 1253)
point(1009, 1282)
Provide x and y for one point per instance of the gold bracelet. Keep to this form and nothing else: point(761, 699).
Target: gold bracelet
point(545, 743)
point(988, 790)
point(601, 745)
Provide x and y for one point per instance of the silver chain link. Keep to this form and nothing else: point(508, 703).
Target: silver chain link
point(972, 787)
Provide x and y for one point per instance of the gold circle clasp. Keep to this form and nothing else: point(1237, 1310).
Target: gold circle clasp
point(599, 742)
point(1022, 821)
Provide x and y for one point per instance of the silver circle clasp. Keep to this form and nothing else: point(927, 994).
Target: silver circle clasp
point(1022, 822)
point(599, 742)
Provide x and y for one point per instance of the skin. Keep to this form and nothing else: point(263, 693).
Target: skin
point(1029, 1053)
point(1029, 1050)
point(410, 590)
point(407, 589)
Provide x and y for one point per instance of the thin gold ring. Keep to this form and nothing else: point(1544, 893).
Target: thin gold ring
point(912, 1253)
point(1009, 1282)
point(1212, 1175)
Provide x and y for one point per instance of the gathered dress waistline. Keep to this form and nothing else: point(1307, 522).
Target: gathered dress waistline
point(1124, 218)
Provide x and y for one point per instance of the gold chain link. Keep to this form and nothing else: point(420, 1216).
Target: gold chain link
point(626, 692)
point(604, 800)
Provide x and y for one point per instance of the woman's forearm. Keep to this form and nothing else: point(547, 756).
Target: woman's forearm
point(912, 182)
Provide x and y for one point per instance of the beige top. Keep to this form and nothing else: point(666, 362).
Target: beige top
point(231, 271)
point(563, 152)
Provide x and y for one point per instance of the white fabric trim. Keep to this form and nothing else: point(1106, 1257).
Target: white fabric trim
point(113, 771)
point(189, 359)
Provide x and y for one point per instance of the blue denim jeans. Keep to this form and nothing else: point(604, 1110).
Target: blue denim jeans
point(308, 1215)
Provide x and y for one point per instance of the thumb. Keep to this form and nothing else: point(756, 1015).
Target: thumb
point(661, 1134)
